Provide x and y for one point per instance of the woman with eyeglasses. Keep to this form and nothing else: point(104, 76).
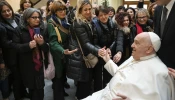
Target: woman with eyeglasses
point(30, 44)
point(58, 39)
point(24, 4)
point(10, 22)
point(143, 23)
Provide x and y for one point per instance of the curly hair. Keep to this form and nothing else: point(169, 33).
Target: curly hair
point(119, 17)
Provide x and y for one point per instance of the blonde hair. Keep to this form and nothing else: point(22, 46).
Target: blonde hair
point(80, 5)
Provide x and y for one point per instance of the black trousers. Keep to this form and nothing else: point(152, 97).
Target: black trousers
point(101, 76)
point(36, 94)
point(84, 89)
point(4, 88)
point(98, 76)
point(58, 88)
point(15, 80)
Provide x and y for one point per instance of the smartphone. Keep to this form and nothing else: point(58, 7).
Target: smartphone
point(37, 30)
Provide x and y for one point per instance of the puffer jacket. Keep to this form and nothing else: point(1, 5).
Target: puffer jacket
point(76, 68)
point(105, 34)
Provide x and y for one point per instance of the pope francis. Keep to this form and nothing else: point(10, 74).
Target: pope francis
point(142, 77)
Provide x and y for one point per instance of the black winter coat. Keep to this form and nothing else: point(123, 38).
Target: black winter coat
point(124, 43)
point(105, 35)
point(9, 52)
point(32, 79)
point(77, 69)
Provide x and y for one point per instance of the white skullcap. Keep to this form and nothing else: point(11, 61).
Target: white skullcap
point(155, 40)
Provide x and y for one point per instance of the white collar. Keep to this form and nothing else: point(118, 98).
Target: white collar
point(169, 6)
point(148, 57)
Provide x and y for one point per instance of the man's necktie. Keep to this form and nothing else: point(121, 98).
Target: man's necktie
point(163, 21)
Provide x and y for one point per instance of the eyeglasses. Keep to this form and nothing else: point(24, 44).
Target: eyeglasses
point(61, 9)
point(6, 11)
point(142, 17)
point(35, 17)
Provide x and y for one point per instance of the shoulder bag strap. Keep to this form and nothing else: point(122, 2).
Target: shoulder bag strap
point(79, 43)
point(58, 33)
point(60, 27)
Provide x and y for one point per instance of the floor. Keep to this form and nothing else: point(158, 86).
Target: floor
point(49, 94)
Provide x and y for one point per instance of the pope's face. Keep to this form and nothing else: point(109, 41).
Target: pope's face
point(139, 47)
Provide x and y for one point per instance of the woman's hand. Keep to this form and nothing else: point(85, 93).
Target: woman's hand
point(106, 56)
point(39, 39)
point(2, 66)
point(67, 52)
point(117, 57)
point(101, 52)
point(32, 44)
point(171, 72)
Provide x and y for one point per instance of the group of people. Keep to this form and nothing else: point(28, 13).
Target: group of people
point(143, 38)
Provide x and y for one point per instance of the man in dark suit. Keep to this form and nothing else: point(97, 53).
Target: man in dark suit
point(164, 26)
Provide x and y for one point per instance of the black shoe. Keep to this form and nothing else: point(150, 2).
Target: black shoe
point(66, 85)
point(66, 94)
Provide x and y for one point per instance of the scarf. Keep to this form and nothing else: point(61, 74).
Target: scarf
point(139, 28)
point(63, 22)
point(36, 54)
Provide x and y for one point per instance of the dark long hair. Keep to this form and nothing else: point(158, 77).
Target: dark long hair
point(21, 5)
point(47, 6)
point(5, 3)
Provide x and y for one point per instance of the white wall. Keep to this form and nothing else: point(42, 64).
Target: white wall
point(14, 4)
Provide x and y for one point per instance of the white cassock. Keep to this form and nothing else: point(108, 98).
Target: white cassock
point(147, 79)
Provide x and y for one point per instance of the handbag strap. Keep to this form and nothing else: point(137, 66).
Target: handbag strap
point(78, 42)
point(79, 45)
point(60, 27)
point(57, 32)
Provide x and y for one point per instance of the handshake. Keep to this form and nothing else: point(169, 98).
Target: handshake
point(105, 54)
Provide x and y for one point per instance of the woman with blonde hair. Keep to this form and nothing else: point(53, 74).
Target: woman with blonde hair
point(81, 30)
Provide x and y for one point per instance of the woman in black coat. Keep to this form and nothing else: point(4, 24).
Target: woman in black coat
point(30, 45)
point(82, 28)
point(105, 34)
point(125, 37)
point(10, 22)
